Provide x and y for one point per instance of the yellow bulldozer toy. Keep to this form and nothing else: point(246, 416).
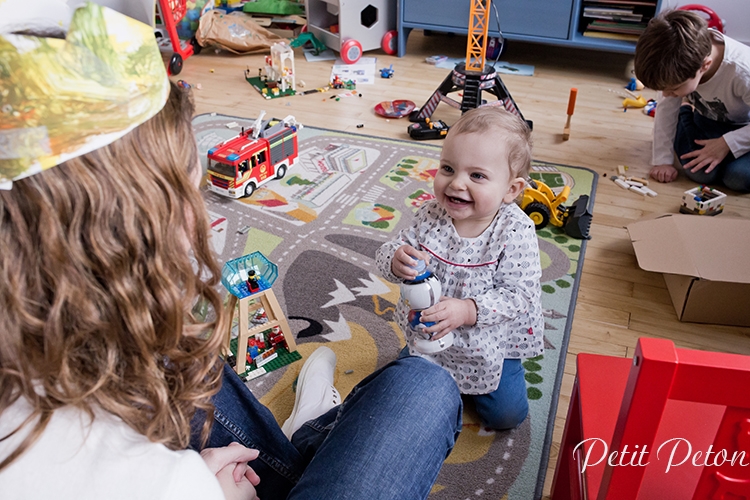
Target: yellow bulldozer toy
point(544, 207)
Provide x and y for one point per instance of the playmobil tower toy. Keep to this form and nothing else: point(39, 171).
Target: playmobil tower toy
point(419, 294)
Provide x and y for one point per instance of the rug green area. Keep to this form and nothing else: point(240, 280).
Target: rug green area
point(321, 225)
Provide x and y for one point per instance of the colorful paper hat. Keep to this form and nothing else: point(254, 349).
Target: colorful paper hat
point(60, 99)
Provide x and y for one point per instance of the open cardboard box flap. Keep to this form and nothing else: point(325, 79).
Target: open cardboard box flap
point(710, 248)
point(705, 261)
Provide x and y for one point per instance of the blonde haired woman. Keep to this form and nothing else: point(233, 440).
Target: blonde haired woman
point(105, 374)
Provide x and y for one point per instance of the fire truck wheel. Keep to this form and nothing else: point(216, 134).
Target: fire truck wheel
point(249, 189)
point(281, 172)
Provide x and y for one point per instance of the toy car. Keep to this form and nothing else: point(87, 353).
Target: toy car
point(338, 83)
point(544, 207)
point(428, 129)
point(386, 72)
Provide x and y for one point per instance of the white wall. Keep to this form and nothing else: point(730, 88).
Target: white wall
point(735, 14)
point(143, 10)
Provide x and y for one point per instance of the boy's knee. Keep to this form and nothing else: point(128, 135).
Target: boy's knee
point(737, 177)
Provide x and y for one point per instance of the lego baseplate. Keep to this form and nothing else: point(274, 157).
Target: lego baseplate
point(284, 358)
point(266, 91)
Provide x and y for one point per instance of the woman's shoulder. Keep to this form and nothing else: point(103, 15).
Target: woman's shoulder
point(98, 458)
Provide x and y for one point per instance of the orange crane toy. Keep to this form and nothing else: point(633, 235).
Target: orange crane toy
point(472, 76)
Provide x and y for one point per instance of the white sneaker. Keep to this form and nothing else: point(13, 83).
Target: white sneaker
point(315, 391)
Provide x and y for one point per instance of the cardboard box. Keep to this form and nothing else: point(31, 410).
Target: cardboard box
point(705, 261)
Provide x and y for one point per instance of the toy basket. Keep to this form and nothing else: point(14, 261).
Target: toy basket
point(234, 274)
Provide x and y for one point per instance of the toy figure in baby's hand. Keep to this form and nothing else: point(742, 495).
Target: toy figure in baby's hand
point(419, 294)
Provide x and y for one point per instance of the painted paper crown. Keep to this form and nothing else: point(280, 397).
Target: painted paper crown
point(60, 99)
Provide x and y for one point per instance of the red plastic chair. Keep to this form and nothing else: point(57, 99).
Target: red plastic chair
point(655, 405)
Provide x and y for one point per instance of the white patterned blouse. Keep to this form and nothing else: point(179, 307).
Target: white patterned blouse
point(500, 270)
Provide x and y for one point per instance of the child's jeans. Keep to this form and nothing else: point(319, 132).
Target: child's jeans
point(508, 406)
point(387, 440)
point(732, 172)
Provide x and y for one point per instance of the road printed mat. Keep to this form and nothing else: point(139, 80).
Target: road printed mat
point(322, 224)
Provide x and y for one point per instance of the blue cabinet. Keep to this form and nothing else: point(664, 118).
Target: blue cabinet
point(557, 22)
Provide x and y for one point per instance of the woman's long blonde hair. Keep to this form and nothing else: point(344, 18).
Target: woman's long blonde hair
point(102, 260)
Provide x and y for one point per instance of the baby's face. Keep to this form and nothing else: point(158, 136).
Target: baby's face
point(474, 178)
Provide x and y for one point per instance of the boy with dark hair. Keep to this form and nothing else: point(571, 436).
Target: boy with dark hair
point(704, 112)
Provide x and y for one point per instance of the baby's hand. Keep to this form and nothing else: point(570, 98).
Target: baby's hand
point(449, 314)
point(405, 260)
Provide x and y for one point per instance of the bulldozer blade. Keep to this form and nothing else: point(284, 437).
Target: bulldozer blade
point(578, 219)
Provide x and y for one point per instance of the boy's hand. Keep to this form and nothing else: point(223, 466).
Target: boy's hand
point(708, 157)
point(449, 314)
point(229, 464)
point(664, 173)
point(405, 260)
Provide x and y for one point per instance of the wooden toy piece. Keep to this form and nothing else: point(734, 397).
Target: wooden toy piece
point(621, 183)
point(571, 108)
point(265, 299)
point(621, 169)
point(633, 184)
point(638, 179)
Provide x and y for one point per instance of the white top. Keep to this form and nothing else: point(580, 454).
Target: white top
point(725, 97)
point(76, 459)
point(500, 270)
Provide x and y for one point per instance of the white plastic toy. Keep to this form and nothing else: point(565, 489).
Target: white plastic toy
point(353, 27)
point(703, 200)
point(419, 294)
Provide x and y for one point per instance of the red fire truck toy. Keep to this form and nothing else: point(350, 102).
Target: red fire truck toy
point(239, 166)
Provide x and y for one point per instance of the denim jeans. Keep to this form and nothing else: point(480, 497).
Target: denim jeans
point(508, 405)
point(732, 172)
point(387, 440)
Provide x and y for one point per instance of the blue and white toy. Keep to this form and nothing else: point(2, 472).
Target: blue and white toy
point(419, 294)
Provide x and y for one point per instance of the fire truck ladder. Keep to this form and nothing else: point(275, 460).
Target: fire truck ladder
point(473, 76)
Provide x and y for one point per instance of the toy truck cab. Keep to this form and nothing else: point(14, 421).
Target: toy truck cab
point(239, 166)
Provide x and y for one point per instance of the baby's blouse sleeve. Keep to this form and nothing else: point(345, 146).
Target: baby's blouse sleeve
point(517, 281)
point(407, 236)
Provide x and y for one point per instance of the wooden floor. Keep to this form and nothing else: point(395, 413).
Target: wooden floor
point(617, 301)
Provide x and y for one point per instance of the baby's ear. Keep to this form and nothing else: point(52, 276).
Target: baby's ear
point(515, 187)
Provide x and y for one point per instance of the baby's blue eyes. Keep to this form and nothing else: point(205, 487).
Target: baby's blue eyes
point(474, 175)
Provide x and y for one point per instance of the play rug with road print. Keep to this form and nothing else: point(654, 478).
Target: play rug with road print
point(321, 225)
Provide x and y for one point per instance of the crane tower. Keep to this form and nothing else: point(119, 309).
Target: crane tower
point(472, 76)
